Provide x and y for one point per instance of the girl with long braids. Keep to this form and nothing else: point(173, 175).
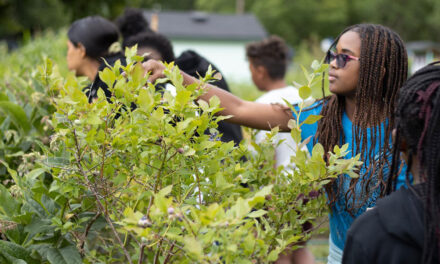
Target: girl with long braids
point(405, 226)
point(368, 64)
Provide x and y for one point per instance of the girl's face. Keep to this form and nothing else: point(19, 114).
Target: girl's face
point(75, 57)
point(343, 81)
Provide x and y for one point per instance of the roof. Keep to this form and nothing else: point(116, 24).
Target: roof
point(209, 26)
point(423, 46)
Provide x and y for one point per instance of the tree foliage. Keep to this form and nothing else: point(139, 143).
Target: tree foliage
point(293, 20)
point(299, 20)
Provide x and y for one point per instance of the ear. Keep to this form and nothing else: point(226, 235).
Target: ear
point(262, 71)
point(82, 50)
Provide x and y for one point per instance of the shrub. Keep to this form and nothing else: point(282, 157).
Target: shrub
point(141, 184)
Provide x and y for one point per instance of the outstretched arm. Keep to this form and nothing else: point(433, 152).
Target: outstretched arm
point(250, 114)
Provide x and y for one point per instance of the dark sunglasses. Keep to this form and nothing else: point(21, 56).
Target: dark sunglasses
point(341, 58)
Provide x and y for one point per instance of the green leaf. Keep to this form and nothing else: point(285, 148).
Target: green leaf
point(322, 68)
point(165, 191)
point(292, 124)
point(306, 73)
point(241, 208)
point(15, 253)
point(13, 174)
point(296, 134)
point(192, 246)
point(291, 107)
point(137, 74)
point(273, 255)
point(304, 92)
point(145, 100)
point(66, 255)
point(17, 115)
point(318, 150)
point(3, 97)
point(312, 119)
point(315, 65)
point(9, 205)
point(183, 97)
point(32, 175)
point(256, 214)
point(107, 76)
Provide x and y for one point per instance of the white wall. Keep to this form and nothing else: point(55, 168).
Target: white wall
point(228, 56)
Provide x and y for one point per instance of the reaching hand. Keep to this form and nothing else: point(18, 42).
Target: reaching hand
point(155, 68)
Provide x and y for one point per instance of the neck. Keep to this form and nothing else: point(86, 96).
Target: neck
point(415, 171)
point(90, 69)
point(276, 84)
point(350, 106)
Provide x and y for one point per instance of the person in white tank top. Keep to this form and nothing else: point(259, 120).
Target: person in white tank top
point(268, 64)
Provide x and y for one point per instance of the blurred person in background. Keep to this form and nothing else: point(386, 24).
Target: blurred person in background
point(268, 60)
point(136, 31)
point(93, 42)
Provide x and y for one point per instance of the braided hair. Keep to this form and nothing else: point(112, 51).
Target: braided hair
point(383, 70)
point(418, 126)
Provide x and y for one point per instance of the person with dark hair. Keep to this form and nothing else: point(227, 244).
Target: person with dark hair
point(132, 22)
point(268, 66)
point(368, 65)
point(160, 48)
point(135, 30)
point(157, 46)
point(405, 226)
point(93, 42)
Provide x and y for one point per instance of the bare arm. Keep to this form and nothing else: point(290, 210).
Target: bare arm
point(250, 114)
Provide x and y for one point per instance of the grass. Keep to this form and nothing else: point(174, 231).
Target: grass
point(319, 249)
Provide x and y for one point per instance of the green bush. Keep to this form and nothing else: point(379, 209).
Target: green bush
point(119, 184)
point(28, 79)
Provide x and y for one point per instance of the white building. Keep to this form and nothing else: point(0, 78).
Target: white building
point(221, 38)
point(421, 53)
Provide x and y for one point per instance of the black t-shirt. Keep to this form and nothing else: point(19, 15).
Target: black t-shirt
point(390, 233)
point(92, 90)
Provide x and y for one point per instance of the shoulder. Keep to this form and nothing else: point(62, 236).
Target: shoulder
point(388, 233)
point(365, 223)
point(290, 94)
point(363, 236)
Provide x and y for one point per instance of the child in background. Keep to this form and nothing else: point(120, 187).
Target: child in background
point(268, 61)
point(135, 31)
